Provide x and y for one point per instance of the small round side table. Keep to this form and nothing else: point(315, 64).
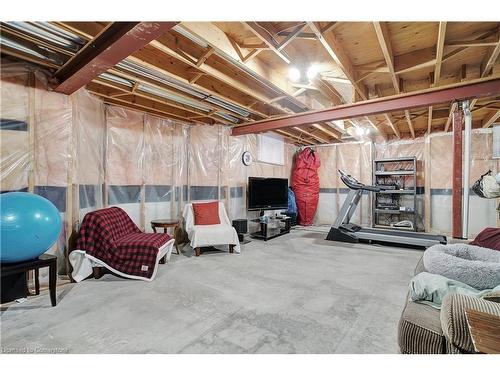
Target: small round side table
point(165, 224)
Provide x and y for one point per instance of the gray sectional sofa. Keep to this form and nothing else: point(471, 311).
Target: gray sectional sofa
point(426, 330)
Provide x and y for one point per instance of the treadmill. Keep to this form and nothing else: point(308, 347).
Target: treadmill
point(345, 231)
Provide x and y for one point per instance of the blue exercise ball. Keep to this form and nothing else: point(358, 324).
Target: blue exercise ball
point(29, 224)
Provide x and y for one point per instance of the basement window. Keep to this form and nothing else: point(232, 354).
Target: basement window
point(270, 149)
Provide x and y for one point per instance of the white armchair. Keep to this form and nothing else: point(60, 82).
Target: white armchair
point(210, 235)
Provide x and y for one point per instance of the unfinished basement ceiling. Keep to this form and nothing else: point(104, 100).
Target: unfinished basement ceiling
point(235, 73)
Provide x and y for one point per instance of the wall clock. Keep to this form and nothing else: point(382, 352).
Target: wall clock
point(247, 158)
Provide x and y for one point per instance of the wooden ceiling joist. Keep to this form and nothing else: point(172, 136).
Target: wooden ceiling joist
point(491, 57)
point(312, 135)
point(183, 68)
point(150, 82)
point(116, 42)
point(98, 84)
point(439, 52)
point(336, 52)
point(490, 119)
point(293, 34)
point(293, 136)
point(450, 117)
point(410, 123)
point(385, 44)
point(266, 36)
point(327, 131)
point(422, 98)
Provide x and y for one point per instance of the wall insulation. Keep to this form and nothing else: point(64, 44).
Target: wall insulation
point(83, 155)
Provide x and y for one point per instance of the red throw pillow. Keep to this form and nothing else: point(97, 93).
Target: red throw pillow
point(489, 237)
point(206, 213)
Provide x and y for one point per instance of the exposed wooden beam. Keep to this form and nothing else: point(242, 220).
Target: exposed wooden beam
point(307, 36)
point(392, 125)
point(293, 34)
point(264, 35)
point(148, 81)
point(450, 116)
point(98, 87)
point(253, 45)
point(439, 51)
point(235, 88)
point(491, 57)
point(236, 47)
point(328, 91)
point(299, 92)
point(328, 132)
point(490, 119)
point(215, 37)
point(114, 43)
point(291, 135)
point(410, 123)
point(305, 86)
point(278, 98)
point(471, 43)
point(140, 106)
point(205, 56)
point(250, 55)
point(376, 127)
point(28, 57)
point(334, 49)
point(328, 27)
point(12, 33)
point(416, 99)
point(388, 117)
point(318, 138)
point(385, 44)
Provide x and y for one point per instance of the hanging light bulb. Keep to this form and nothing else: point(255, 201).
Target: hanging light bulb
point(294, 74)
point(312, 72)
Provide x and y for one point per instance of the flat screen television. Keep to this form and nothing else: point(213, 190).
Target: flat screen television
point(267, 193)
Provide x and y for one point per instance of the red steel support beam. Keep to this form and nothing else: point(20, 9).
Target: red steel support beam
point(420, 99)
point(457, 181)
point(113, 44)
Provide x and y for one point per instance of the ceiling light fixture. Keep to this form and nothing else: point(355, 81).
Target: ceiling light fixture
point(294, 74)
point(312, 72)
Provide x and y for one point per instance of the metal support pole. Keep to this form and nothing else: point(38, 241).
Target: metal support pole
point(466, 167)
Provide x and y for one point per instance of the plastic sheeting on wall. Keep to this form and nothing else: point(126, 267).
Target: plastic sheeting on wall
point(83, 155)
point(482, 212)
point(124, 161)
point(14, 128)
point(88, 140)
point(164, 168)
point(434, 156)
point(35, 132)
point(355, 159)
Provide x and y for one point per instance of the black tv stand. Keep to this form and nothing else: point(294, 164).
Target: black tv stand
point(266, 233)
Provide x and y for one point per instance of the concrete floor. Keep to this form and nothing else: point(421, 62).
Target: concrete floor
point(294, 294)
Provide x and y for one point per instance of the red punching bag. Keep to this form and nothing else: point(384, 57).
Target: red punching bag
point(305, 184)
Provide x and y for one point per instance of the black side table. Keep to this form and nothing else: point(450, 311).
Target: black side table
point(44, 260)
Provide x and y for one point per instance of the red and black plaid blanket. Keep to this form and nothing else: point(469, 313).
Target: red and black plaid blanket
point(110, 236)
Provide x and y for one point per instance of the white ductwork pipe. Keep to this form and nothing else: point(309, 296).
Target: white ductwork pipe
point(466, 167)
